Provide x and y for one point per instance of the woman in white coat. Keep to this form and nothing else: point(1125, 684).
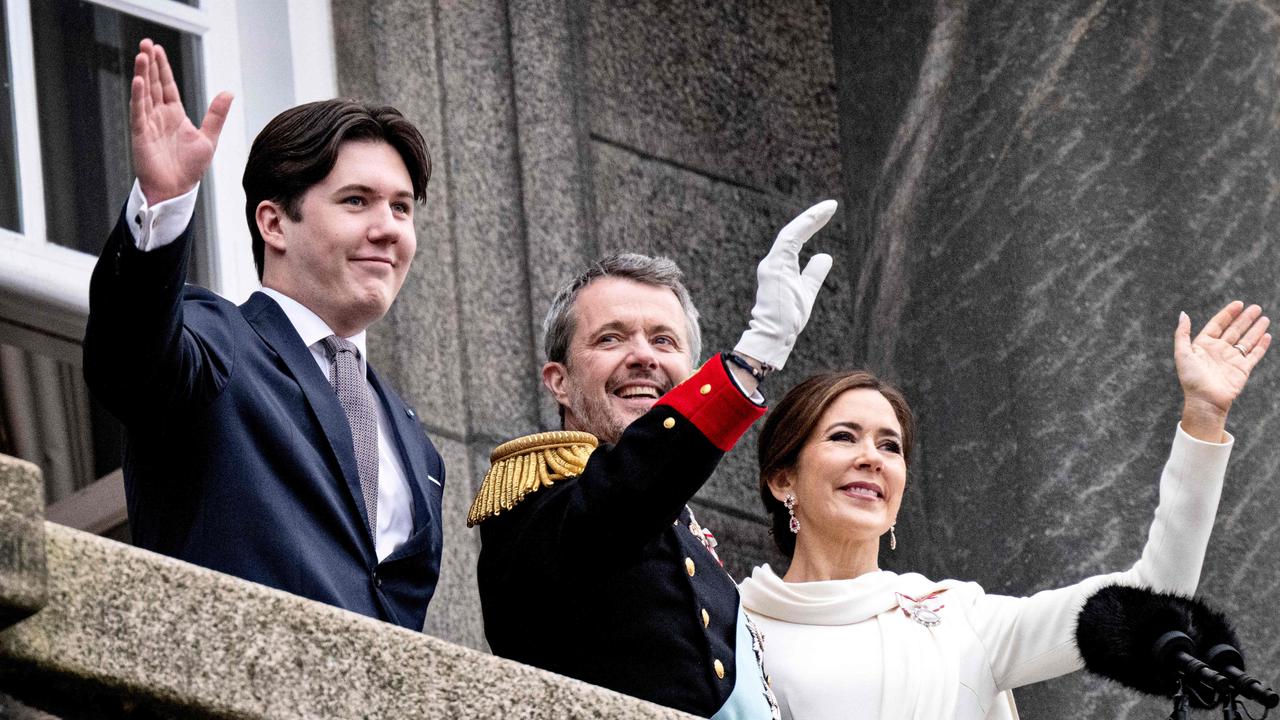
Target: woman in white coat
point(844, 639)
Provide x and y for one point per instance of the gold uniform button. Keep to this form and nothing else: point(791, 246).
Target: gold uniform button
point(705, 389)
point(719, 669)
point(688, 566)
point(669, 423)
point(706, 618)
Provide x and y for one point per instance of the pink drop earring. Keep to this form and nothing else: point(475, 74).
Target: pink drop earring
point(790, 502)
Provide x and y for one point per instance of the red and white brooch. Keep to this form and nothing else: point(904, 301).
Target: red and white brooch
point(925, 610)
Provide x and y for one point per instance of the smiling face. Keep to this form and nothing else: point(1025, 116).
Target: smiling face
point(850, 474)
point(629, 347)
point(347, 254)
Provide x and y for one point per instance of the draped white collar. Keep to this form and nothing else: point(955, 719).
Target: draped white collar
point(829, 602)
point(921, 678)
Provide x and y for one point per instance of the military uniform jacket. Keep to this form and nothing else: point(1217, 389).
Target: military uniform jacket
point(600, 577)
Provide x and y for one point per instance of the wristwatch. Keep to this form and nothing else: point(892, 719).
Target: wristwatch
point(759, 373)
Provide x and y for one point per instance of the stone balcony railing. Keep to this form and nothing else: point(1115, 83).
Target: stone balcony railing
point(92, 628)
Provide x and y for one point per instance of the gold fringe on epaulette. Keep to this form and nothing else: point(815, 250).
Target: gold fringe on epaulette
point(524, 465)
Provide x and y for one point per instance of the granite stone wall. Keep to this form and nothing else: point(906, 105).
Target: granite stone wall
point(1038, 188)
point(1030, 192)
point(562, 131)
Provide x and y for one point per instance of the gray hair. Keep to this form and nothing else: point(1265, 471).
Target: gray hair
point(560, 323)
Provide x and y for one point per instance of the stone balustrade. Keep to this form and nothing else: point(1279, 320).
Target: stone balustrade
point(94, 628)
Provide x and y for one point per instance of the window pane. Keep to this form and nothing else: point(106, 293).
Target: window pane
point(84, 64)
point(9, 205)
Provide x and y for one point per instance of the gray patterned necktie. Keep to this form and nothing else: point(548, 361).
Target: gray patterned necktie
point(356, 398)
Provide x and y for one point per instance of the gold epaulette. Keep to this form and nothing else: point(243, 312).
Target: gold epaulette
point(524, 465)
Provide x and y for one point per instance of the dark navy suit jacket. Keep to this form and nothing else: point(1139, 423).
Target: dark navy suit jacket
point(238, 455)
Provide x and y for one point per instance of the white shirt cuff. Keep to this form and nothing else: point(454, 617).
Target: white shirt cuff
point(155, 226)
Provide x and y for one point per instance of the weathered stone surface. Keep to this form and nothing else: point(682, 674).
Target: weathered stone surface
point(1044, 186)
point(416, 344)
point(180, 641)
point(486, 224)
point(354, 29)
point(718, 232)
point(389, 53)
point(547, 64)
point(743, 91)
point(22, 559)
point(454, 613)
point(468, 294)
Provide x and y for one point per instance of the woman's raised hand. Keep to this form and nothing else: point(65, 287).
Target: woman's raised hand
point(1214, 367)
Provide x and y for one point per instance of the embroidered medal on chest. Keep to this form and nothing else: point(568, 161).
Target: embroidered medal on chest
point(704, 536)
point(757, 646)
point(925, 610)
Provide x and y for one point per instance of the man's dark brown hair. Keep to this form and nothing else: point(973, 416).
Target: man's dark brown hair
point(299, 147)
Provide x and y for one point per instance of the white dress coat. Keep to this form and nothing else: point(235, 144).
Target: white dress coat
point(984, 645)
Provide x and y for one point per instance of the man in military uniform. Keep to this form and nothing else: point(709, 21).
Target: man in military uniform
point(592, 564)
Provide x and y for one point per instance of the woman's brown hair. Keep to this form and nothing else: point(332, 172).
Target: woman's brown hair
point(791, 423)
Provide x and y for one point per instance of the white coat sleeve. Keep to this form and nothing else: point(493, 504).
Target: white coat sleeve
point(1033, 638)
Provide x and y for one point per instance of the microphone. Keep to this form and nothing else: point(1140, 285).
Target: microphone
point(1228, 661)
point(1223, 655)
point(1145, 640)
point(1173, 650)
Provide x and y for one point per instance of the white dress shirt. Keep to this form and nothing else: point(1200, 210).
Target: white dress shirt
point(155, 226)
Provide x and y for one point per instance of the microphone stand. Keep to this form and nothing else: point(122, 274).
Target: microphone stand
point(1230, 710)
point(1181, 707)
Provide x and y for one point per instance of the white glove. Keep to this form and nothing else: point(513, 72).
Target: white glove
point(784, 294)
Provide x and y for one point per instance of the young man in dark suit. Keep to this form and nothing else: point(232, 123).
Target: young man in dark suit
point(259, 442)
point(592, 565)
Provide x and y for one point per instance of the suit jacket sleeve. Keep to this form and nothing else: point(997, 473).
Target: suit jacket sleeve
point(629, 492)
point(141, 360)
point(1033, 639)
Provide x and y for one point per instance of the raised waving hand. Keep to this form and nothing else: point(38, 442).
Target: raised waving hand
point(1214, 367)
point(169, 153)
point(785, 292)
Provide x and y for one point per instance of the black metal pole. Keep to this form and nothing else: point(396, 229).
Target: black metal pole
point(1181, 708)
point(1229, 709)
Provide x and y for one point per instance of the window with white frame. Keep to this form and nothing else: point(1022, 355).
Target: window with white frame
point(8, 161)
point(83, 65)
point(65, 172)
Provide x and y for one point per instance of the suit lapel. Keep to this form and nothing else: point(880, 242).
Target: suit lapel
point(405, 428)
point(274, 327)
